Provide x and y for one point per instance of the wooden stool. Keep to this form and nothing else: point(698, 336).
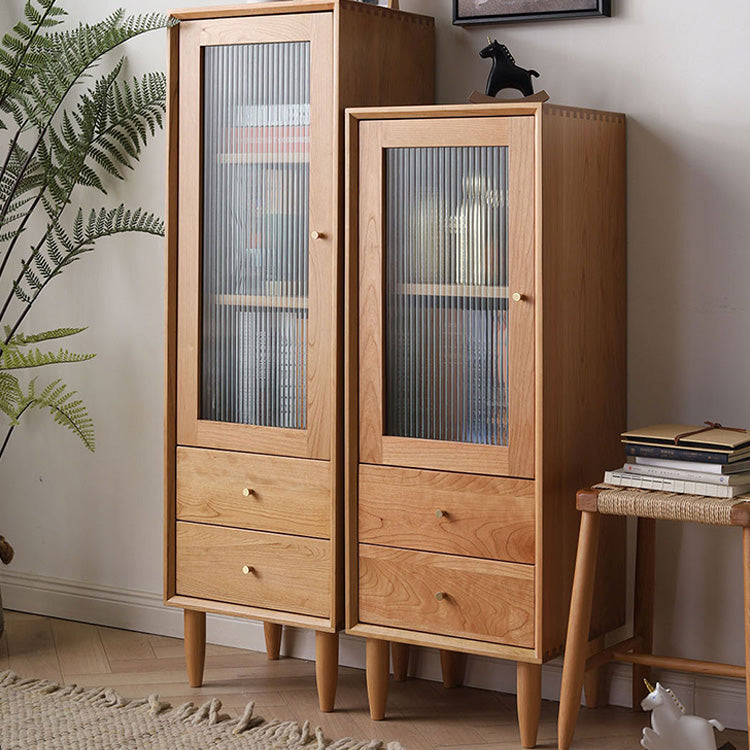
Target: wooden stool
point(582, 657)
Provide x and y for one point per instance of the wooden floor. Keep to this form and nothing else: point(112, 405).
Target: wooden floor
point(421, 715)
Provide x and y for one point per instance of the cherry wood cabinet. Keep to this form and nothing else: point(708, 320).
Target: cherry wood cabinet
point(254, 352)
point(485, 377)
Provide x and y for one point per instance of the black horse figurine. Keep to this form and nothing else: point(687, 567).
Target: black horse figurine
point(505, 74)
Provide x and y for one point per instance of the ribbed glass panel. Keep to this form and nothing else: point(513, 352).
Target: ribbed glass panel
point(256, 144)
point(446, 340)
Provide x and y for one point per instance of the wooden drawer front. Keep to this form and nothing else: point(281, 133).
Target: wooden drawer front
point(287, 495)
point(482, 600)
point(288, 573)
point(481, 516)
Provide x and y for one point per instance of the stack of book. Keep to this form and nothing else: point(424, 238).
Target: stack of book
point(709, 460)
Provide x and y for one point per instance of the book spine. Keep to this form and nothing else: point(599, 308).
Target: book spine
point(666, 473)
point(680, 454)
point(669, 485)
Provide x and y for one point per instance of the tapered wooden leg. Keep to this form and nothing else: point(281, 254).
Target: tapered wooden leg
point(273, 632)
point(593, 679)
point(326, 668)
point(746, 568)
point(643, 611)
point(452, 665)
point(576, 643)
point(195, 646)
point(529, 694)
point(377, 677)
point(400, 658)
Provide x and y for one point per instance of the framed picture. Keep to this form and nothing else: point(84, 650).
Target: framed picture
point(507, 11)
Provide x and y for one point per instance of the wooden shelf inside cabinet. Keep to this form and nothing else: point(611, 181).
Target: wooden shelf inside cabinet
point(256, 300)
point(453, 290)
point(264, 158)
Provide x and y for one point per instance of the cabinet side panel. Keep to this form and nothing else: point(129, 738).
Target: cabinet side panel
point(374, 48)
point(583, 344)
point(170, 335)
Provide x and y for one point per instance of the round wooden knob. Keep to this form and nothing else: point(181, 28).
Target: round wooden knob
point(441, 595)
point(517, 296)
point(440, 513)
point(247, 569)
point(247, 491)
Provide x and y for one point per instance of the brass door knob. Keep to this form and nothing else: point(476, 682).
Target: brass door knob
point(440, 595)
point(247, 491)
point(440, 513)
point(247, 569)
point(317, 235)
point(518, 297)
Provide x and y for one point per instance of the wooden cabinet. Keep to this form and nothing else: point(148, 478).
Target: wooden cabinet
point(486, 376)
point(254, 388)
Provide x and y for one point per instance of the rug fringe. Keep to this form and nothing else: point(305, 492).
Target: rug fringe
point(304, 737)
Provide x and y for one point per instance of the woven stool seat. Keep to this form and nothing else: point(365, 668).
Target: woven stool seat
point(669, 506)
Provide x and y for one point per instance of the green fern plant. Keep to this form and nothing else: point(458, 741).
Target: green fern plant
point(69, 124)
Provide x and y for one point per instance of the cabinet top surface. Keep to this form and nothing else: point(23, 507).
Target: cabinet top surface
point(498, 109)
point(274, 7)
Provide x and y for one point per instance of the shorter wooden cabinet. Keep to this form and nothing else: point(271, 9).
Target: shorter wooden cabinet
point(486, 378)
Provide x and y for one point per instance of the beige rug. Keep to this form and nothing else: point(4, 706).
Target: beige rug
point(40, 715)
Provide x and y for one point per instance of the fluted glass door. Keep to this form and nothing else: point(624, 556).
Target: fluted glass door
point(256, 265)
point(447, 296)
point(256, 181)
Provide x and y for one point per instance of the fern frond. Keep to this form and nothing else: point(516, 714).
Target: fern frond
point(10, 395)
point(12, 358)
point(66, 410)
point(21, 339)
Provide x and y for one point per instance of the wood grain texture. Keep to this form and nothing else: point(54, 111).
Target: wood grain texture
point(287, 495)
point(643, 606)
point(529, 691)
point(481, 516)
point(195, 646)
point(170, 303)
point(272, 633)
point(326, 668)
point(376, 662)
point(478, 598)
point(287, 572)
point(574, 663)
point(581, 336)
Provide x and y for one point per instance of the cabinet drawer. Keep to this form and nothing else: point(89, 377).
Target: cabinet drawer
point(460, 514)
point(447, 595)
point(286, 572)
point(268, 493)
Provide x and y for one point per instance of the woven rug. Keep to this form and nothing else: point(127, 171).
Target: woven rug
point(40, 715)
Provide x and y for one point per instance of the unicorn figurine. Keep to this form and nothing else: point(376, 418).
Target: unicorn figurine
point(671, 728)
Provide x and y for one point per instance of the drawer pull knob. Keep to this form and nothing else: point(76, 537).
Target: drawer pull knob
point(441, 595)
point(247, 569)
point(441, 513)
point(247, 491)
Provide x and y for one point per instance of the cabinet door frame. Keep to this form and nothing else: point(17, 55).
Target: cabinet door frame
point(315, 440)
point(517, 134)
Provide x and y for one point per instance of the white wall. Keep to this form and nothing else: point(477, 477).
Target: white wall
point(88, 527)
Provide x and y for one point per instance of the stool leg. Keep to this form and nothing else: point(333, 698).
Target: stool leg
point(746, 568)
point(643, 612)
point(593, 680)
point(529, 693)
point(576, 643)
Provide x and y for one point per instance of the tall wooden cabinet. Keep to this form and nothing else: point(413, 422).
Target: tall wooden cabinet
point(254, 390)
point(486, 377)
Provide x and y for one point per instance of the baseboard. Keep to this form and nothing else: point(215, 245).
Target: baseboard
point(712, 697)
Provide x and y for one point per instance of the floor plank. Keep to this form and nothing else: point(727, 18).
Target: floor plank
point(79, 649)
point(421, 715)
